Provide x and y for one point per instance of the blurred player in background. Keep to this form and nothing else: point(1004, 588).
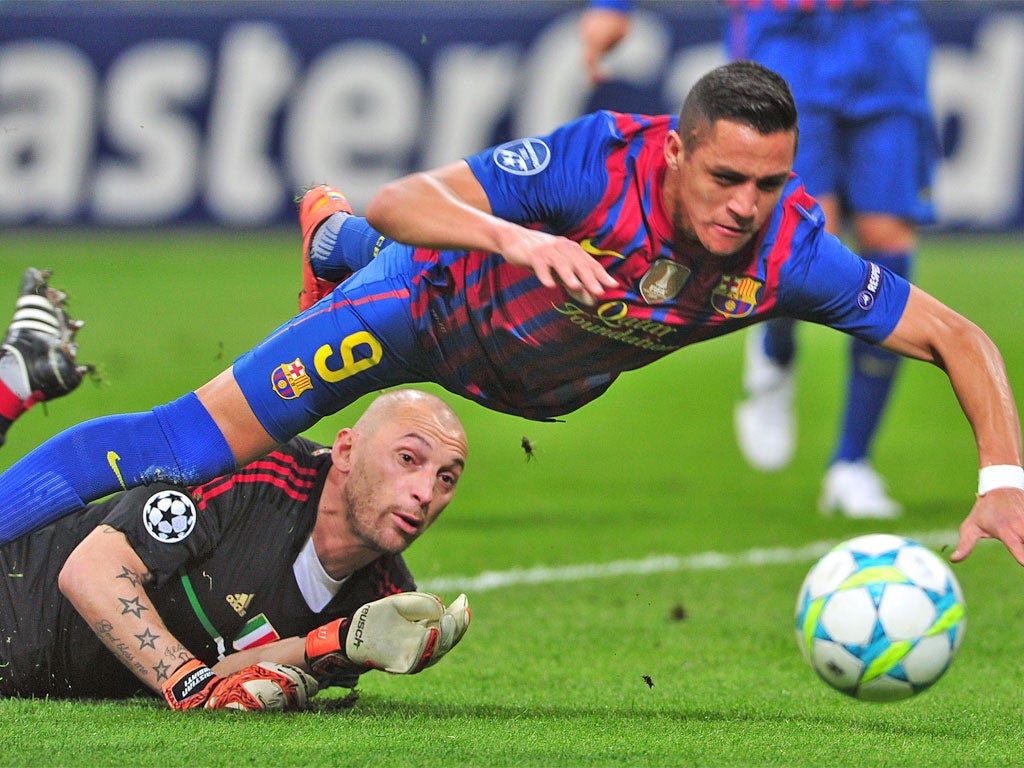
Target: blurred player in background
point(527, 277)
point(859, 76)
point(37, 359)
point(148, 590)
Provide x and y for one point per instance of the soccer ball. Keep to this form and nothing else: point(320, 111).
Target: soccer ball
point(880, 617)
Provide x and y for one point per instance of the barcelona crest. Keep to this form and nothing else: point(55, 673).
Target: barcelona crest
point(736, 295)
point(290, 379)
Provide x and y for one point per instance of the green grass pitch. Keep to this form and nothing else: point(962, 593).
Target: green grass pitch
point(552, 673)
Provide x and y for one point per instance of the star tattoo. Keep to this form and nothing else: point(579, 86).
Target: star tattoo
point(133, 606)
point(130, 575)
point(162, 670)
point(147, 638)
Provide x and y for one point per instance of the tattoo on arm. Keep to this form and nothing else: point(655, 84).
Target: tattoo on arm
point(133, 606)
point(178, 653)
point(162, 671)
point(127, 573)
point(147, 638)
point(105, 630)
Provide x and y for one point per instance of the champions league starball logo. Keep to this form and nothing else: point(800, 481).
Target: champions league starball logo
point(523, 157)
point(169, 516)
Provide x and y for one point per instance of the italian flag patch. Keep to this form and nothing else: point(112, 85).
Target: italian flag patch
point(257, 631)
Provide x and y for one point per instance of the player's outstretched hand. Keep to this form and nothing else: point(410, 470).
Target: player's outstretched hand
point(41, 336)
point(401, 634)
point(263, 687)
point(998, 514)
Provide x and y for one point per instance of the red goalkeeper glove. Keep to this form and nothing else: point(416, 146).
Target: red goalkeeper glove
point(266, 686)
point(401, 633)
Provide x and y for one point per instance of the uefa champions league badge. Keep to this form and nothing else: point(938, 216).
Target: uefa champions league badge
point(169, 516)
point(522, 157)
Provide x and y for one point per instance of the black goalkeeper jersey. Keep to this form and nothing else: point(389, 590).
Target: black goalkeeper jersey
point(222, 567)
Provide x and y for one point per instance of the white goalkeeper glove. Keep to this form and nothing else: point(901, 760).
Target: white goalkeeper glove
point(401, 634)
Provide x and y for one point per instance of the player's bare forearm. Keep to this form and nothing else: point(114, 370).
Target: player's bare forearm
point(932, 332)
point(983, 388)
point(444, 209)
point(448, 209)
point(290, 650)
point(104, 580)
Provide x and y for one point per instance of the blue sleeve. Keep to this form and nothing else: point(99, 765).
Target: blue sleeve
point(824, 282)
point(556, 180)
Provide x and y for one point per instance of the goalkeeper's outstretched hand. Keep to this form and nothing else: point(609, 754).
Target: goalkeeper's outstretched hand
point(266, 687)
point(401, 634)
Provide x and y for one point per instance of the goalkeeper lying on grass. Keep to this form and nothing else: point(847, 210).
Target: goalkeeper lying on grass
point(139, 592)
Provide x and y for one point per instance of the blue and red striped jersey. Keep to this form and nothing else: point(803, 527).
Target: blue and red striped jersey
point(494, 333)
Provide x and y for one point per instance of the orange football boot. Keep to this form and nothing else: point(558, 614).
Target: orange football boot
point(317, 205)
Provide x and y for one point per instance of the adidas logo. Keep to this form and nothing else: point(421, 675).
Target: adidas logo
point(240, 602)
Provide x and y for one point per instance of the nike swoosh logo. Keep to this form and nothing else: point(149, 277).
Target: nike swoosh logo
point(587, 244)
point(112, 459)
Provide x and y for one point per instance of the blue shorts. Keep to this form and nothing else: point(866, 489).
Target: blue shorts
point(859, 75)
point(359, 339)
point(878, 165)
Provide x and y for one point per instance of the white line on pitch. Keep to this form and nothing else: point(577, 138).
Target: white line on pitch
point(704, 561)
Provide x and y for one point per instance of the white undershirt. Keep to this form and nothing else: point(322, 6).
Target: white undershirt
point(315, 584)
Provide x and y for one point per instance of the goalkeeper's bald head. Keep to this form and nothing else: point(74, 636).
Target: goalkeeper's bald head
point(397, 404)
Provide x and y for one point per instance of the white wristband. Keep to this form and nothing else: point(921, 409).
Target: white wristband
point(1000, 476)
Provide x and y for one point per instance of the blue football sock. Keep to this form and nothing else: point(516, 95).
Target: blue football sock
point(871, 375)
point(779, 340)
point(343, 244)
point(177, 443)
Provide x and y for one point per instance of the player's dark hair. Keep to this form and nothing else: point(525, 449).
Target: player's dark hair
point(743, 92)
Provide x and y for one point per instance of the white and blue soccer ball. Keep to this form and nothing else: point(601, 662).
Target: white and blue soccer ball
point(880, 617)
